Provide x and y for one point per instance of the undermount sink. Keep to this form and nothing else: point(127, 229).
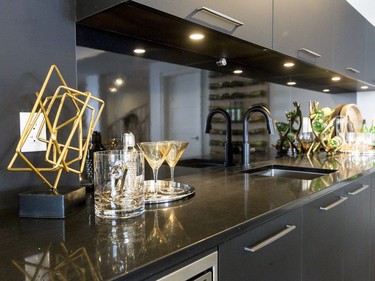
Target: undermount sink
point(199, 163)
point(289, 172)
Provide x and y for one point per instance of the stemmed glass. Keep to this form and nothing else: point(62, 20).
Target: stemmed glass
point(155, 153)
point(175, 153)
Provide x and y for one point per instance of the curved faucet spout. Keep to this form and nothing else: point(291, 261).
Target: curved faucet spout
point(228, 143)
point(270, 127)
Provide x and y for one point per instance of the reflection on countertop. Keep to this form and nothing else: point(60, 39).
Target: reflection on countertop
point(227, 201)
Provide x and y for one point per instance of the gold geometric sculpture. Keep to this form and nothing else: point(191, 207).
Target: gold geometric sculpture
point(61, 154)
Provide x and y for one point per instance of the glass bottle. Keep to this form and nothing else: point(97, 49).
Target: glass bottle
point(364, 128)
point(96, 145)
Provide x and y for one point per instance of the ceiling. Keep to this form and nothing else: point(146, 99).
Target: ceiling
point(366, 8)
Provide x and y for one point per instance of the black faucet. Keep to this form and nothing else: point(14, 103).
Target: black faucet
point(228, 147)
point(246, 145)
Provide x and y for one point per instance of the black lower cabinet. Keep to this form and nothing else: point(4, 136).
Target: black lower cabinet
point(271, 251)
point(323, 238)
point(336, 235)
point(357, 231)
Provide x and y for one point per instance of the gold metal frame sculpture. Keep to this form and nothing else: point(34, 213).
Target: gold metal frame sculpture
point(59, 154)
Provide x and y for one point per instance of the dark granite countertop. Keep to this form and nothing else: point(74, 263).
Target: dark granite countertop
point(227, 202)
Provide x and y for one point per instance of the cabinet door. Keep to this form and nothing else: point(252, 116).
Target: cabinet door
point(357, 230)
point(304, 29)
point(323, 237)
point(269, 252)
point(248, 20)
point(370, 54)
point(372, 231)
point(349, 41)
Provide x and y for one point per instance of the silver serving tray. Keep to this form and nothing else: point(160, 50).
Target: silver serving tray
point(180, 191)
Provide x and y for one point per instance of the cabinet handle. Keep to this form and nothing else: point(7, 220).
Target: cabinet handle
point(220, 15)
point(359, 190)
point(264, 243)
point(351, 69)
point(309, 52)
point(338, 202)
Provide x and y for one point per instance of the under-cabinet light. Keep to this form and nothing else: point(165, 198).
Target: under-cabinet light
point(326, 90)
point(237, 71)
point(196, 36)
point(139, 51)
point(364, 87)
point(336, 78)
point(291, 83)
point(289, 64)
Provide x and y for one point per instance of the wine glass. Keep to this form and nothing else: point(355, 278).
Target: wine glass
point(177, 148)
point(155, 153)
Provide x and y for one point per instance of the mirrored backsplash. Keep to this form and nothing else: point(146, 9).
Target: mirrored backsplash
point(157, 101)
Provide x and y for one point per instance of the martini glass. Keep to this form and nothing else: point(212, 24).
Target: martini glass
point(155, 153)
point(177, 148)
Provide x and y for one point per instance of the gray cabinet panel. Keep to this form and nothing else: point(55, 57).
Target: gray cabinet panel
point(349, 41)
point(303, 26)
point(323, 238)
point(357, 230)
point(370, 54)
point(279, 260)
point(255, 15)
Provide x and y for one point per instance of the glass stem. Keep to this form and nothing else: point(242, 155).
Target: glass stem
point(172, 174)
point(155, 172)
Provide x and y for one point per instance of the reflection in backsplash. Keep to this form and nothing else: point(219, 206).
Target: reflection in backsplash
point(157, 100)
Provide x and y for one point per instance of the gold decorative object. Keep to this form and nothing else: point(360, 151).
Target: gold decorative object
point(322, 124)
point(61, 154)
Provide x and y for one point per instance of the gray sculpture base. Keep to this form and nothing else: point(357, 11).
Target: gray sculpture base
point(45, 203)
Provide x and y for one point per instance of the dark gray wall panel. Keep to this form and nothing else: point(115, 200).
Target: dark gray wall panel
point(34, 34)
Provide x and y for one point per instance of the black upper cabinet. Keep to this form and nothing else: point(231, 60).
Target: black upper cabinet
point(247, 20)
point(349, 41)
point(304, 30)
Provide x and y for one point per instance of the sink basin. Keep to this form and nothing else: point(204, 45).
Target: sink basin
point(199, 163)
point(289, 172)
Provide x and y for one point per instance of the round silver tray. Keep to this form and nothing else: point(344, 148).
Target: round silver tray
point(182, 191)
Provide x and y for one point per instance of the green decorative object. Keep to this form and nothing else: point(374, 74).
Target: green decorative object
point(289, 142)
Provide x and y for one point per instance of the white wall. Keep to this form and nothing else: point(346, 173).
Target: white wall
point(366, 104)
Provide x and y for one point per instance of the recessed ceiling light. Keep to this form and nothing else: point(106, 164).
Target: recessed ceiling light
point(237, 71)
point(364, 87)
point(291, 83)
point(139, 51)
point(196, 36)
point(119, 82)
point(326, 90)
point(289, 64)
point(113, 90)
point(336, 78)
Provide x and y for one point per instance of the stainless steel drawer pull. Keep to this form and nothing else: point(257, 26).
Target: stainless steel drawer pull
point(289, 228)
point(307, 51)
point(359, 190)
point(351, 69)
point(220, 15)
point(338, 202)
